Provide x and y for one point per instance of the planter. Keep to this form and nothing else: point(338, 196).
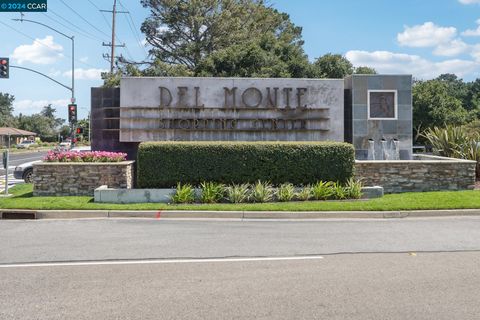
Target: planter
point(80, 178)
point(423, 173)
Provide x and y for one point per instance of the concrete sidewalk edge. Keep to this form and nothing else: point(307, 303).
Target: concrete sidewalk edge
point(184, 214)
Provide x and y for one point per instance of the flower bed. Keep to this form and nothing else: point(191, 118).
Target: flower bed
point(90, 156)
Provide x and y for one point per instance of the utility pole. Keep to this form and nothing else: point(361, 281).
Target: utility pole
point(112, 44)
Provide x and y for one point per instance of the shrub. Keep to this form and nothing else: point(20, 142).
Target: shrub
point(353, 189)
point(184, 194)
point(262, 192)
point(237, 193)
point(163, 164)
point(455, 142)
point(285, 192)
point(322, 190)
point(211, 192)
point(449, 141)
point(339, 192)
point(304, 194)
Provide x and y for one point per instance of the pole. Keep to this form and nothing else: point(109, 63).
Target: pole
point(73, 69)
point(112, 57)
point(6, 172)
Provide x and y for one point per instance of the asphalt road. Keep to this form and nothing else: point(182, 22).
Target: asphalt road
point(149, 269)
point(19, 158)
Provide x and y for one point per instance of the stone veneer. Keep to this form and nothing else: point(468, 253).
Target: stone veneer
point(80, 179)
point(424, 173)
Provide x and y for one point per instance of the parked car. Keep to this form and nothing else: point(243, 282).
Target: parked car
point(25, 170)
point(26, 144)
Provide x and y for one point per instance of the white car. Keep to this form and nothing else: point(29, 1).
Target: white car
point(26, 144)
point(25, 170)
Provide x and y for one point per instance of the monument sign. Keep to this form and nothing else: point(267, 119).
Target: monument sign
point(246, 109)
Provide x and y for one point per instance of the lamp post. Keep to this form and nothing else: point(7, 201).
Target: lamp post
point(72, 38)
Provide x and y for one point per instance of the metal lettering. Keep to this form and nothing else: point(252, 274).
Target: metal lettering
point(272, 102)
point(182, 93)
point(300, 93)
point(164, 90)
point(231, 92)
point(197, 97)
point(287, 91)
point(259, 97)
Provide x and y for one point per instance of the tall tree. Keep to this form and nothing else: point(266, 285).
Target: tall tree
point(185, 32)
point(6, 110)
point(333, 66)
point(365, 70)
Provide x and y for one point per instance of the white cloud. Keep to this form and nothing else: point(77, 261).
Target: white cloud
point(426, 35)
point(476, 52)
point(472, 32)
point(41, 51)
point(469, 1)
point(85, 74)
point(83, 59)
point(28, 107)
point(394, 63)
point(452, 48)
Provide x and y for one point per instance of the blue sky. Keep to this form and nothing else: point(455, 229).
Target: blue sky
point(420, 37)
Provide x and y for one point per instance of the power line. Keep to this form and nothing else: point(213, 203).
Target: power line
point(73, 25)
point(78, 15)
point(133, 28)
point(71, 29)
point(103, 16)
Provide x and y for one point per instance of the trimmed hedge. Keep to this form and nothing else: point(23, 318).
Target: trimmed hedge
point(164, 164)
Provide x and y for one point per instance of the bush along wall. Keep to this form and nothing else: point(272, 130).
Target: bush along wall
point(164, 164)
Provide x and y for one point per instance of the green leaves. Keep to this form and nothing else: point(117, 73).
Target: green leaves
point(164, 164)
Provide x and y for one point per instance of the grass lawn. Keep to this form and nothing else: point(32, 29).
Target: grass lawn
point(23, 199)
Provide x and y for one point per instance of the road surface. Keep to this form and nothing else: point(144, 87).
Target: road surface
point(15, 160)
point(154, 269)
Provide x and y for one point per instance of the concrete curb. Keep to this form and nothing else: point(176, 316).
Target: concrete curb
point(240, 215)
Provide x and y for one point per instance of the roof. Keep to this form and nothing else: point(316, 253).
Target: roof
point(5, 131)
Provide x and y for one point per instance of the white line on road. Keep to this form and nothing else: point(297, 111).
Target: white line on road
point(155, 261)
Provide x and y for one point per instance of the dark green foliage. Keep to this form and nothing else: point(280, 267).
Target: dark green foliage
point(332, 66)
point(164, 164)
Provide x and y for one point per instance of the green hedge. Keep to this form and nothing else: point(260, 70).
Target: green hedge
point(164, 164)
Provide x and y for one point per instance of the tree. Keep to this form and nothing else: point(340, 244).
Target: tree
point(45, 124)
point(332, 66)
point(49, 112)
point(6, 110)
point(456, 88)
point(264, 57)
point(433, 105)
point(365, 70)
point(184, 32)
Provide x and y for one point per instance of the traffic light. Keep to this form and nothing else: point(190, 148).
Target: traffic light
point(79, 130)
point(72, 113)
point(4, 68)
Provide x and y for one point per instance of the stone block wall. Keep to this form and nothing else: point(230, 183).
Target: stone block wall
point(424, 173)
point(362, 128)
point(80, 179)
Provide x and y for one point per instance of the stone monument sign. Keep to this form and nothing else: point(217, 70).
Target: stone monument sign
point(242, 109)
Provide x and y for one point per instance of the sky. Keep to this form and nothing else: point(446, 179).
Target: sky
point(421, 37)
